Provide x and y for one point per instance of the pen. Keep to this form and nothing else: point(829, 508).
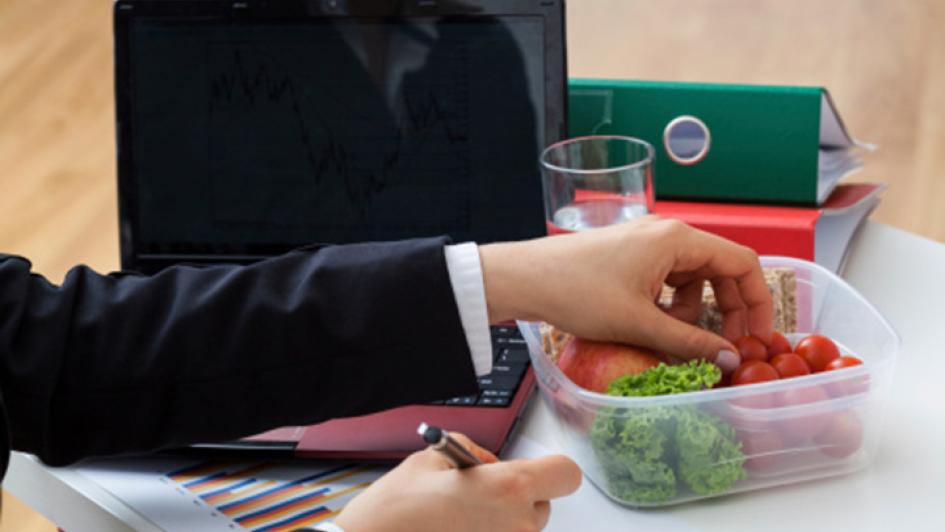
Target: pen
point(441, 440)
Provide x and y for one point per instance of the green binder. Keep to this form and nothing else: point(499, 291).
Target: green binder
point(718, 142)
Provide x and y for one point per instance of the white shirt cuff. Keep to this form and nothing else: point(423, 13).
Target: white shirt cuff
point(465, 270)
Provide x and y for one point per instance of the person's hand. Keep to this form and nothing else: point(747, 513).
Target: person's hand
point(426, 493)
point(604, 285)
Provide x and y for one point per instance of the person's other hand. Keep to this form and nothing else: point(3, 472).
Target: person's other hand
point(604, 285)
point(426, 493)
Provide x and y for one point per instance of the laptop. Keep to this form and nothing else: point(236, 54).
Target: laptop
point(250, 128)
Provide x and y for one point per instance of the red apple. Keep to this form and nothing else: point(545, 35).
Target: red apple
point(594, 365)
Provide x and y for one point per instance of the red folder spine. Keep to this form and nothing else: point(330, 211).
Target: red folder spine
point(768, 230)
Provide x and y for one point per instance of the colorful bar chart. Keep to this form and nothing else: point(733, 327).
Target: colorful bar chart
point(273, 497)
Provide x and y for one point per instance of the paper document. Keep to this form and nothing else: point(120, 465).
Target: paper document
point(182, 494)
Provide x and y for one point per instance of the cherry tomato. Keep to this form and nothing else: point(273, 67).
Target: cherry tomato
point(779, 344)
point(803, 424)
point(751, 348)
point(842, 437)
point(754, 371)
point(763, 449)
point(790, 365)
point(751, 372)
point(817, 350)
point(744, 416)
point(803, 396)
point(851, 385)
point(843, 362)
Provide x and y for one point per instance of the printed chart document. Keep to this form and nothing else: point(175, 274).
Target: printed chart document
point(226, 496)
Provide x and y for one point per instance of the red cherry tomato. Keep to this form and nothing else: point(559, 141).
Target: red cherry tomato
point(842, 437)
point(803, 396)
point(751, 372)
point(754, 371)
point(751, 348)
point(747, 414)
point(804, 423)
point(843, 362)
point(790, 365)
point(851, 385)
point(818, 351)
point(763, 449)
point(779, 344)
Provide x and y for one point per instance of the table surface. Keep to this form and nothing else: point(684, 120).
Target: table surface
point(903, 489)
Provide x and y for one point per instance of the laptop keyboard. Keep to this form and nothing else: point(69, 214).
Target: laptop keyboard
point(508, 367)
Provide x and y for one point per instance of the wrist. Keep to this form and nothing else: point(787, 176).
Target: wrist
point(509, 272)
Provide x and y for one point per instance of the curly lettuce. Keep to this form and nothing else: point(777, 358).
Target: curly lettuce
point(710, 458)
point(648, 454)
point(635, 453)
point(664, 380)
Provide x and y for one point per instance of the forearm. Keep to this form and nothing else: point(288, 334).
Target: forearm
point(124, 363)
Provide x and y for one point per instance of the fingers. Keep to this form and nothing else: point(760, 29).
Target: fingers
point(482, 454)
point(433, 459)
point(669, 335)
point(428, 459)
point(550, 477)
point(745, 291)
point(687, 301)
point(542, 514)
point(733, 309)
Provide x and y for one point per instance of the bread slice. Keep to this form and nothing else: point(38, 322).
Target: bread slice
point(783, 285)
point(553, 340)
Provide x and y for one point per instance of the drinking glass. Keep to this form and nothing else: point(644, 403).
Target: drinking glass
point(596, 181)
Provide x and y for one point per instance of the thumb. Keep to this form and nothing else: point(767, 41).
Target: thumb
point(672, 336)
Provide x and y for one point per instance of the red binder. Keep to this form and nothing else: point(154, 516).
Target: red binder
point(820, 234)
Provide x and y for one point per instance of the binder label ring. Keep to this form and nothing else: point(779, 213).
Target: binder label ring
point(687, 140)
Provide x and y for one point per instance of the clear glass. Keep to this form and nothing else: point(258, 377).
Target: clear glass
point(596, 181)
point(762, 435)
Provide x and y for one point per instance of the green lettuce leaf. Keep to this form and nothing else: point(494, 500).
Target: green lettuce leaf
point(664, 380)
point(649, 453)
point(710, 456)
point(634, 452)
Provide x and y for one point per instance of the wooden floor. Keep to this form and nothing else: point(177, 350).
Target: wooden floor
point(883, 61)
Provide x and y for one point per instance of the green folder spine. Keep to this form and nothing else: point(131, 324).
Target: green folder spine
point(764, 144)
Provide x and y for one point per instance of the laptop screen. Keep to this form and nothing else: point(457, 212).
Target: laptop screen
point(248, 138)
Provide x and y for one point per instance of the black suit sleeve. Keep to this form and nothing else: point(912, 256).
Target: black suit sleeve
point(120, 363)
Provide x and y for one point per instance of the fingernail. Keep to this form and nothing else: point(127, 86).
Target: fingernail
point(727, 360)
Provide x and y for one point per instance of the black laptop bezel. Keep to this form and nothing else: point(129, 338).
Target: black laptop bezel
point(127, 11)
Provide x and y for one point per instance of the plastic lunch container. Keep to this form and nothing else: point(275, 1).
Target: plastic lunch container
point(656, 451)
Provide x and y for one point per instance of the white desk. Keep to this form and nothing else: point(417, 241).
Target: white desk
point(902, 274)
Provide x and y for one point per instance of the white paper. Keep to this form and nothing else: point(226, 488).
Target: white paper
point(835, 231)
point(832, 166)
